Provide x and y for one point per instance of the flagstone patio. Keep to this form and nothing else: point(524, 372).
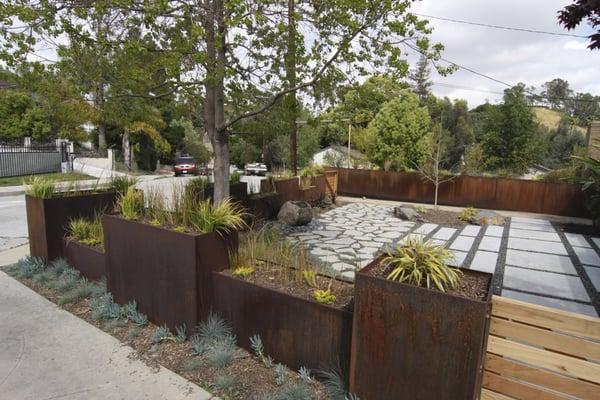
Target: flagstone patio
point(531, 260)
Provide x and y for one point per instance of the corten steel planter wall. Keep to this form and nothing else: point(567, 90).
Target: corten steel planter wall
point(493, 193)
point(263, 206)
point(167, 273)
point(237, 191)
point(89, 261)
point(310, 194)
point(294, 331)
point(48, 219)
point(414, 343)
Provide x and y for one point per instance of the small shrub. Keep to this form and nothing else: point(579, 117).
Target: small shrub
point(42, 188)
point(59, 265)
point(85, 231)
point(421, 209)
point(131, 204)
point(467, 213)
point(224, 217)
point(115, 324)
point(243, 272)
point(257, 346)
point(235, 177)
point(133, 332)
point(66, 281)
point(422, 263)
point(221, 354)
point(122, 183)
point(198, 345)
point(27, 267)
point(310, 277)
point(104, 308)
point(180, 229)
point(312, 170)
point(161, 334)
point(324, 296)
point(214, 329)
point(280, 374)
point(180, 334)
point(336, 386)
point(196, 187)
point(268, 362)
point(224, 383)
point(305, 374)
point(82, 290)
point(297, 391)
point(130, 312)
point(191, 365)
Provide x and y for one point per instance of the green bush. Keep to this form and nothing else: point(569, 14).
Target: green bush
point(122, 183)
point(312, 170)
point(85, 231)
point(422, 263)
point(131, 204)
point(41, 187)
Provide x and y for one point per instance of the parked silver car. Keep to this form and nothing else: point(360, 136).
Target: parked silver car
point(255, 169)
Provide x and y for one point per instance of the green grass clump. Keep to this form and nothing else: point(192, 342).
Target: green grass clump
point(312, 170)
point(104, 308)
point(224, 383)
point(324, 296)
point(467, 213)
point(122, 183)
point(235, 177)
point(161, 334)
point(192, 365)
point(222, 353)
point(131, 204)
point(43, 188)
point(223, 217)
point(85, 231)
point(422, 263)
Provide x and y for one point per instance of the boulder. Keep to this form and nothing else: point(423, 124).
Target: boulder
point(295, 213)
point(407, 213)
point(486, 217)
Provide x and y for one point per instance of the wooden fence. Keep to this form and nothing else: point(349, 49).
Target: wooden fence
point(541, 353)
point(492, 193)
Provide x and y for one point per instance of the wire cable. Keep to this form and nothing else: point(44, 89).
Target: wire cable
point(508, 28)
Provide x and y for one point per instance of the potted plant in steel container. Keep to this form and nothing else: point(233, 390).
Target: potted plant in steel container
point(50, 208)
point(84, 247)
point(273, 290)
point(309, 191)
point(162, 255)
point(204, 189)
point(420, 326)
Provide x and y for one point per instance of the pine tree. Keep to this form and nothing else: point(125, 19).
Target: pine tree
point(420, 78)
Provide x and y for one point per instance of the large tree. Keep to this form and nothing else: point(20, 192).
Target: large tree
point(226, 47)
point(557, 92)
point(508, 133)
point(420, 78)
point(573, 14)
point(400, 139)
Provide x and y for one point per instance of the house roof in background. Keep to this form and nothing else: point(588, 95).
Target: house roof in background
point(343, 150)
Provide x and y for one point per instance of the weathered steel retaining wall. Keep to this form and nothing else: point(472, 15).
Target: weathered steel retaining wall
point(493, 193)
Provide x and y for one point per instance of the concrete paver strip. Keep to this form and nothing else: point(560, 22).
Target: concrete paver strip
point(484, 261)
point(552, 302)
point(594, 274)
point(463, 243)
point(543, 262)
point(490, 243)
point(493, 230)
point(587, 256)
point(544, 283)
point(444, 233)
point(470, 230)
point(577, 240)
point(528, 234)
point(48, 353)
point(530, 227)
point(536, 246)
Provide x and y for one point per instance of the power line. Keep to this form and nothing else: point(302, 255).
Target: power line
point(531, 94)
point(508, 28)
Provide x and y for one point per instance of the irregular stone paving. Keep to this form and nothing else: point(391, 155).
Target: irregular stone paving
point(535, 263)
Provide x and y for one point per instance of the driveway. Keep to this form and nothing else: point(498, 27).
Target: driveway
point(13, 222)
point(47, 353)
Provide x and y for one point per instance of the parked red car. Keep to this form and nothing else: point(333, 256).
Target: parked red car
point(185, 166)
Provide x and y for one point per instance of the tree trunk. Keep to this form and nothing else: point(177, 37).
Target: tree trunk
point(99, 105)
point(291, 78)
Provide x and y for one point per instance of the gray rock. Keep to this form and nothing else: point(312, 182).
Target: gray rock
point(295, 213)
point(486, 217)
point(407, 213)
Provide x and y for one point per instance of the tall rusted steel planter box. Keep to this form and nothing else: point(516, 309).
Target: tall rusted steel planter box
point(263, 206)
point(294, 331)
point(310, 194)
point(167, 273)
point(89, 261)
point(410, 342)
point(48, 219)
point(237, 191)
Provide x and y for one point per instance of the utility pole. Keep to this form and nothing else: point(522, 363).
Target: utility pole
point(291, 78)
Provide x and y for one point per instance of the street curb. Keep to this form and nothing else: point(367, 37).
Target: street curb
point(12, 193)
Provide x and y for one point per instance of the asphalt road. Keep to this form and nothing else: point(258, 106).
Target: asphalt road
point(13, 222)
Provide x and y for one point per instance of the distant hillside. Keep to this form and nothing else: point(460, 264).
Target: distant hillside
point(551, 118)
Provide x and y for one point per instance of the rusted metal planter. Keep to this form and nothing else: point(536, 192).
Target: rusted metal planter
point(414, 343)
point(89, 261)
point(294, 331)
point(263, 206)
point(310, 194)
point(48, 219)
point(237, 191)
point(167, 273)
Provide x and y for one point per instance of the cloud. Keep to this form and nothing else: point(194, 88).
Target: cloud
point(509, 56)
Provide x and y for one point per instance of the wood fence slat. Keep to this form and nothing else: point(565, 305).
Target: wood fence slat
point(545, 359)
point(544, 338)
point(563, 384)
point(489, 395)
point(519, 390)
point(546, 317)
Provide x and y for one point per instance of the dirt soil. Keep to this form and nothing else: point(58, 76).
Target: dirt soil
point(472, 286)
point(444, 218)
point(296, 286)
point(253, 381)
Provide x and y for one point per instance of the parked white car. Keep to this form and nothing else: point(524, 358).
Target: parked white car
point(255, 169)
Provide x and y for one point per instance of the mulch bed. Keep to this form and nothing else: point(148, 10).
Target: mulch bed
point(253, 380)
point(444, 218)
point(471, 286)
point(277, 280)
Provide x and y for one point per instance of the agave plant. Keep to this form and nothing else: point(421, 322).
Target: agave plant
point(422, 263)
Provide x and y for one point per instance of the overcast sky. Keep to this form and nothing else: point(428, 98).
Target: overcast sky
point(509, 56)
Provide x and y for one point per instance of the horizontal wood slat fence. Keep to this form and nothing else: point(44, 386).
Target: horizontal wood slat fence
point(492, 193)
point(541, 353)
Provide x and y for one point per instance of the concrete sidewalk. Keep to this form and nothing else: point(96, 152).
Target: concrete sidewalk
point(47, 353)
